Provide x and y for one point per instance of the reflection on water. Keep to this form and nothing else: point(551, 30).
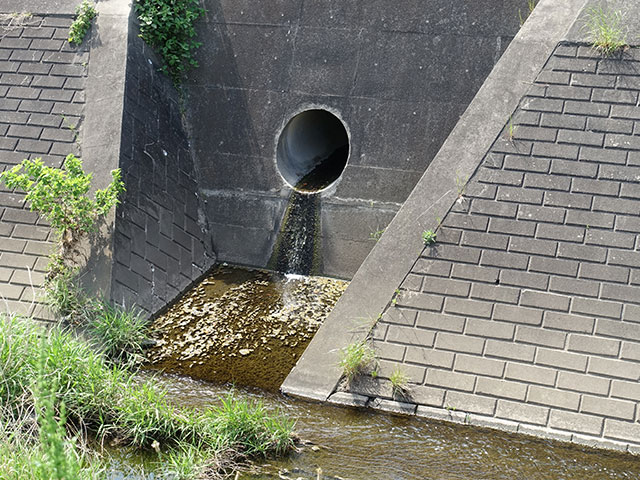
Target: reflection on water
point(362, 445)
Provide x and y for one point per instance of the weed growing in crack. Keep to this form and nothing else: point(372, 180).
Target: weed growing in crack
point(511, 129)
point(399, 382)
point(357, 358)
point(377, 234)
point(429, 237)
point(531, 5)
point(85, 13)
point(606, 29)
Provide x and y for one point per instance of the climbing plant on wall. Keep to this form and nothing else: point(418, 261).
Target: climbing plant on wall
point(168, 27)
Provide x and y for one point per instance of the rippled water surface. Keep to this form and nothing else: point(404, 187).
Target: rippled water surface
point(250, 327)
point(360, 445)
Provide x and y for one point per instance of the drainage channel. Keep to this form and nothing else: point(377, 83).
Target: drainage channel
point(348, 444)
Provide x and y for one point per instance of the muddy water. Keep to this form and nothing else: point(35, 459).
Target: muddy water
point(362, 445)
point(248, 327)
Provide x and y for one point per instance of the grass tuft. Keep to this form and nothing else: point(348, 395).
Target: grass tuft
point(429, 237)
point(606, 28)
point(83, 390)
point(357, 359)
point(399, 382)
point(119, 331)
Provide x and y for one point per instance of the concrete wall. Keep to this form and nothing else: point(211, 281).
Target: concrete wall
point(523, 316)
point(161, 244)
point(156, 243)
point(399, 74)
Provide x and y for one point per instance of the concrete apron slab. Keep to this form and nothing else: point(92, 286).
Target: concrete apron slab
point(317, 374)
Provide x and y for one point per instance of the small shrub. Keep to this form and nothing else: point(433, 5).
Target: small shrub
point(357, 358)
point(399, 382)
point(85, 13)
point(606, 28)
point(61, 196)
point(168, 27)
point(429, 237)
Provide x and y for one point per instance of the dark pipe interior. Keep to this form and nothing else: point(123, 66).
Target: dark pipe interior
point(312, 150)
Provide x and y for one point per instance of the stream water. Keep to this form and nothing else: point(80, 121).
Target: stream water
point(250, 326)
point(361, 445)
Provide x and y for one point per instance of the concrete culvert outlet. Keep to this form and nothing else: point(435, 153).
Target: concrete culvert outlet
point(312, 150)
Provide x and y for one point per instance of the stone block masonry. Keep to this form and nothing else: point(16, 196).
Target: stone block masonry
point(161, 243)
point(526, 310)
point(42, 80)
point(155, 245)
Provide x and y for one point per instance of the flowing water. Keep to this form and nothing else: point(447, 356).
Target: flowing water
point(243, 326)
point(250, 326)
point(297, 248)
point(361, 445)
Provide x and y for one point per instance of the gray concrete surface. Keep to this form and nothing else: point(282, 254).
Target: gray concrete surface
point(398, 74)
point(522, 316)
point(316, 374)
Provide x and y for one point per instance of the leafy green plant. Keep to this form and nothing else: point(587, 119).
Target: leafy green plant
point(85, 13)
point(429, 237)
point(377, 234)
point(606, 28)
point(168, 26)
point(399, 382)
point(357, 358)
point(61, 196)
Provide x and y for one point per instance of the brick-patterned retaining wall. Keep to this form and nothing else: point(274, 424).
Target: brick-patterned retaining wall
point(42, 81)
point(526, 312)
point(160, 244)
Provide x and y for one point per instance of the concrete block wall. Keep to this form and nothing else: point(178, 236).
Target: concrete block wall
point(42, 80)
point(161, 243)
point(157, 244)
point(526, 312)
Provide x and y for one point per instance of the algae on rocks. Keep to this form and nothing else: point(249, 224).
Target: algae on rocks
point(243, 326)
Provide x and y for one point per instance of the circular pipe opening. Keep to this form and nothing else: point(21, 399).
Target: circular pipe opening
point(313, 149)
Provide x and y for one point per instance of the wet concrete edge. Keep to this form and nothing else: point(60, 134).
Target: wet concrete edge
point(316, 374)
point(345, 399)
